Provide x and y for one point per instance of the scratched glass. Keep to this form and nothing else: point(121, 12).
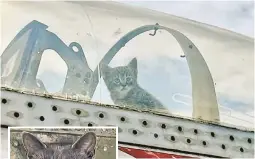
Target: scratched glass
point(129, 57)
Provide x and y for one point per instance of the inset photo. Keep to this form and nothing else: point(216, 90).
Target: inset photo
point(63, 142)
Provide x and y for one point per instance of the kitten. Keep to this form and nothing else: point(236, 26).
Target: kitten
point(83, 148)
point(125, 91)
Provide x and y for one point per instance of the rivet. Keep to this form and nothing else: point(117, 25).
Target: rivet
point(4, 101)
point(16, 114)
point(223, 146)
point(78, 112)
point(122, 119)
point(30, 104)
point(54, 108)
point(66, 121)
point(180, 128)
point(41, 118)
point(231, 138)
point(163, 126)
point(144, 123)
point(101, 115)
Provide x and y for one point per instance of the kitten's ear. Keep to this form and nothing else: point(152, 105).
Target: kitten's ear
point(105, 69)
point(86, 143)
point(31, 143)
point(133, 64)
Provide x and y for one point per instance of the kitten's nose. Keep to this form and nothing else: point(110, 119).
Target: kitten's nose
point(123, 84)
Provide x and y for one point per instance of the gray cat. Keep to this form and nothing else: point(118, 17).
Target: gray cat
point(83, 148)
point(125, 91)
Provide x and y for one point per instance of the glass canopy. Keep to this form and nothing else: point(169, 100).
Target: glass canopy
point(115, 54)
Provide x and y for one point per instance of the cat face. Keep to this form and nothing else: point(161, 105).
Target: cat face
point(120, 80)
point(83, 148)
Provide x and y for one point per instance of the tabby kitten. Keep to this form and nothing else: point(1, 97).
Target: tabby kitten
point(83, 148)
point(125, 91)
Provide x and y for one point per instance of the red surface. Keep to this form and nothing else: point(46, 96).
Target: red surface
point(138, 153)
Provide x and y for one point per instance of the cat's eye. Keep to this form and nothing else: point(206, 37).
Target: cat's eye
point(88, 75)
point(117, 81)
point(129, 79)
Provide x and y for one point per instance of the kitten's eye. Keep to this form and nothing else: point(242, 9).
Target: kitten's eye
point(117, 81)
point(129, 79)
point(88, 75)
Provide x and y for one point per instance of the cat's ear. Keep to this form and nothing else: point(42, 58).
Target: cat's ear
point(86, 143)
point(105, 69)
point(133, 64)
point(31, 143)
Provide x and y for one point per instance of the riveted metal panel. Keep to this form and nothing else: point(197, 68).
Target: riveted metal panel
point(167, 132)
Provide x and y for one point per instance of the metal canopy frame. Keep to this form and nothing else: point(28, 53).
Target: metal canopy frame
point(39, 39)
